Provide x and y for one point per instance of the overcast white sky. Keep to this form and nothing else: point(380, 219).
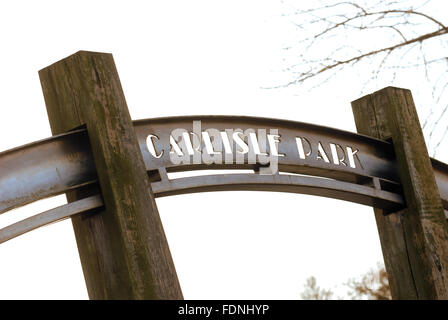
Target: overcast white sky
point(185, 58)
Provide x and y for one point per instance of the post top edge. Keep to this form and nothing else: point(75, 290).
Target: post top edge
point(78, 53)
point(381, 91)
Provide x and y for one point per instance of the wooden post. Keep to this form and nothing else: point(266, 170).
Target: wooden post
point(414, 240)
point(123, 249)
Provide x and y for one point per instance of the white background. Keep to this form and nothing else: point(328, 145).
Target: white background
point(186, 58)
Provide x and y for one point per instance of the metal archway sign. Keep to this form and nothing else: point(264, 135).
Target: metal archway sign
point(111, 169)
point(314, 161)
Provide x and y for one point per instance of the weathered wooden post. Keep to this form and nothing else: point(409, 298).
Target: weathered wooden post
point(414, 240)
point(123, 249)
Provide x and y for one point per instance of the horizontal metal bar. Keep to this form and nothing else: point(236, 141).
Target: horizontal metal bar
point(50, 216)
point(45, 168)
point(281, 183)
point(64, 162)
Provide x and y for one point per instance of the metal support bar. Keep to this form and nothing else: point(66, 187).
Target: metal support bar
point(53, 215)
point(229, 182)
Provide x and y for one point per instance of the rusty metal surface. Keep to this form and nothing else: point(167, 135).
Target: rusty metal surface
point(61, 163)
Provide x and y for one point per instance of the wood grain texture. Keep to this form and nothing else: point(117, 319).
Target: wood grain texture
point(123, 249)
point(415, 240)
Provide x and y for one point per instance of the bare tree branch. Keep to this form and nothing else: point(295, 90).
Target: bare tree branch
point(371, 53)
point(333, 37)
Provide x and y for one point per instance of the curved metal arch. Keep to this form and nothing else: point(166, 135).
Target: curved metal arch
point(280, 183)
point(50, 216)
point(232, 182)
point(377, 155)
point(64, 162)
